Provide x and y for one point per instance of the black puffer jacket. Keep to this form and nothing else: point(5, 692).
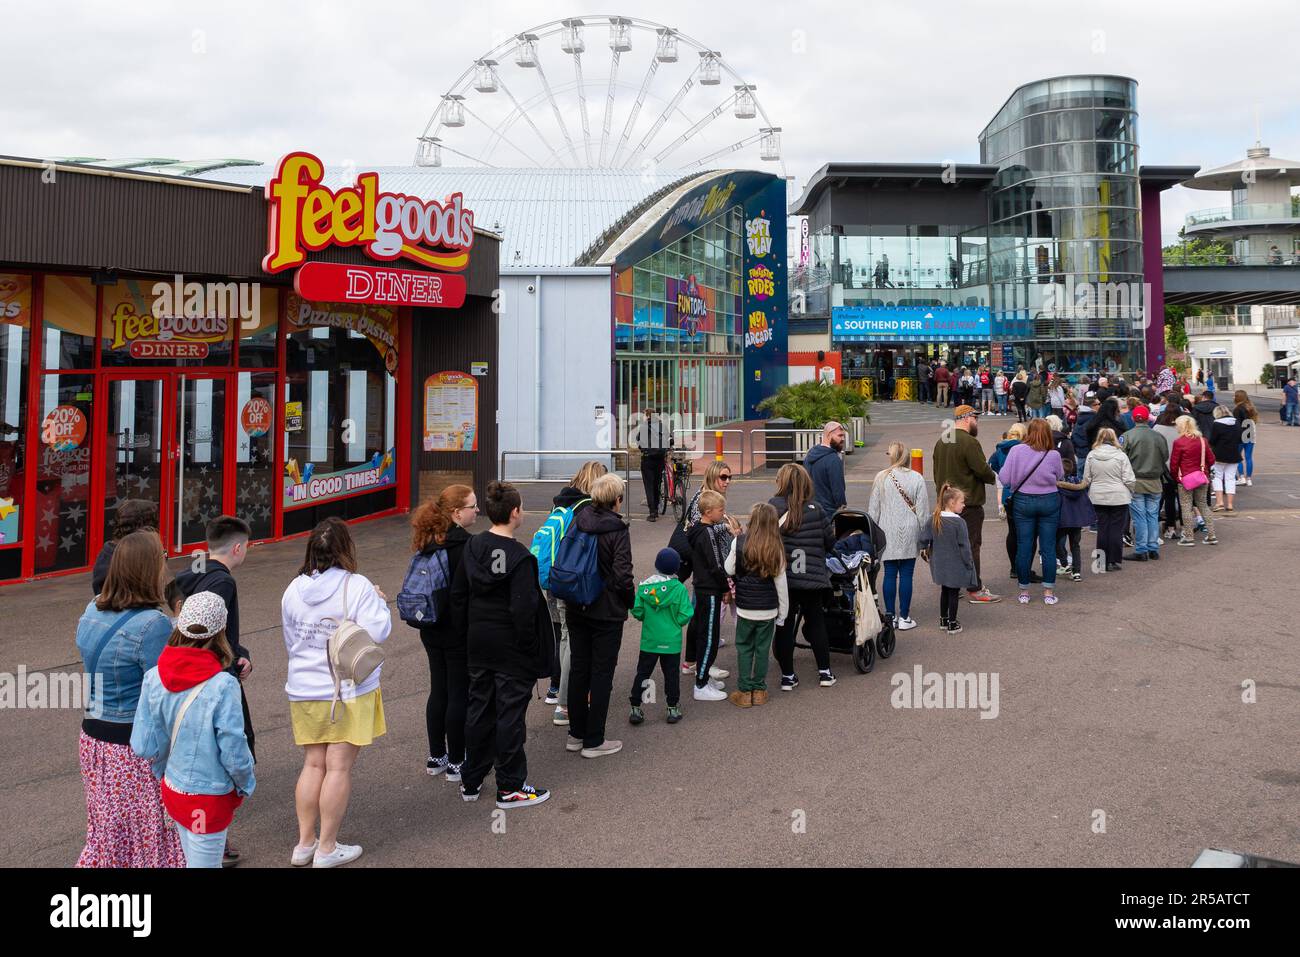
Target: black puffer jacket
point(815, 535)
point(445, 633)
point(497, 603)
point(614, 554)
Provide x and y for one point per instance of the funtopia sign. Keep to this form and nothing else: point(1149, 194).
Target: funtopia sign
point(304, 215)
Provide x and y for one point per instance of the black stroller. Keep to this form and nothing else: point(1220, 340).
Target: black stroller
point(846, 585)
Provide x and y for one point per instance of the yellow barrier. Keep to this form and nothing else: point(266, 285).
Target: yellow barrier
point(905, 389)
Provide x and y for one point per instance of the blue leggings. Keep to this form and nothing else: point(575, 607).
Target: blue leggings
point(898, 575)
point(1247, 464)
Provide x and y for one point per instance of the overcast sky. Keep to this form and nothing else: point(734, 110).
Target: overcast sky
point(886, 80)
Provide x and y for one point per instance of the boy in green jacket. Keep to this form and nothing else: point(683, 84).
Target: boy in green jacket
point(663, 606)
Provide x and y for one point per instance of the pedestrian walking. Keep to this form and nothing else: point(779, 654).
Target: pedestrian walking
point(756, 561)
point(1108, 476)
point(331, 722)
point(120, 636)
point(189, 724)
point(496, 602)
point(1291, 403)
point(596, 629)
point(654, 439)
point(959, 461)
point(1031, 471)
point(440, 532)
point(945, 545)
point(664, 608)
point(899, 504)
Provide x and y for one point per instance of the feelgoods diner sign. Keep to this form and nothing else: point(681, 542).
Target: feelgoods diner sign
point(304, 215)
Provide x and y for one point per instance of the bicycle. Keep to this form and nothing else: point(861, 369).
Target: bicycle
point(675, 486)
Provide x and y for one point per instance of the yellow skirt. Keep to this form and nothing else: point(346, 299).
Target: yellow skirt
point(357, 720)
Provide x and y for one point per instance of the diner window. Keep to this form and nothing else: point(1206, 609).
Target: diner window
point(144, 322)
point(257, 334)
point(63, 501)
point(15, 338)
point(68, 320)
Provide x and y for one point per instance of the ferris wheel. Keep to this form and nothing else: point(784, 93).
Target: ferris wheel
point(651, 103)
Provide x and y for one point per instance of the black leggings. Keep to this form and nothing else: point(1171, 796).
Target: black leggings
point(948, 603)
point(1169, 504)
point(1074, 556)
point(810, 604)
point(444, 714)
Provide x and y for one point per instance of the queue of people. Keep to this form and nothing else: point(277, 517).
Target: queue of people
point(168, 757)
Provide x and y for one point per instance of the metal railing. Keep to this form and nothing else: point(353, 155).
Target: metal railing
point(1220, 325)
point(708, 445)
point(589, 454)
point(803, 441)
point(1288, 320)
point(1201, 257)
point(1271, 212)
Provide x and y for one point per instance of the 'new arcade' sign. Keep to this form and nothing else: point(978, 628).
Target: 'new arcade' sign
point(305, 216)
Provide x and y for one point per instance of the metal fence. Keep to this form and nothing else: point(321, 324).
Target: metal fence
point(582, 454)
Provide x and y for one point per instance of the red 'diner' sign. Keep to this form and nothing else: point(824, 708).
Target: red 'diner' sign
point(335, 282)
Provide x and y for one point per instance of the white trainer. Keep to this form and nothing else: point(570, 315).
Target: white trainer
point(342, 854)
point(302, 855)
point(905, 624)
point(709, 693)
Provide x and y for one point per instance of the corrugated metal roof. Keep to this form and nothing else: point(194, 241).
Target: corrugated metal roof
point(547, 217)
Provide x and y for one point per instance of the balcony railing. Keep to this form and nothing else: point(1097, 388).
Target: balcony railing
point(1182, 256)
point(1267, 212)
point(1220, 325)
point(1288, 319)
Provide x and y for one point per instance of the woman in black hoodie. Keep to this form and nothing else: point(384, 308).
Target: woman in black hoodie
point(440, 525)
point(809, 536)
point(497, 604)
point(596, 630)
point(1107, 417)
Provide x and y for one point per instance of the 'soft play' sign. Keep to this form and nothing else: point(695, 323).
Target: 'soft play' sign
point(305, 215)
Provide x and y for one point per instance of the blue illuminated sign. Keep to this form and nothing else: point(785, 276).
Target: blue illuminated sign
point(910, 323)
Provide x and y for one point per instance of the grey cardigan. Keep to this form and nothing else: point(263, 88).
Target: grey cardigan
point(951, 562)
point(901, 525)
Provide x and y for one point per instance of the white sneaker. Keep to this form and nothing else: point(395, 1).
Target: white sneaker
point(905, 624)
point(561, 717)
point(716, 672)
point(342, 854)
point(302, 855)
point(717, 683)
point(709, 693)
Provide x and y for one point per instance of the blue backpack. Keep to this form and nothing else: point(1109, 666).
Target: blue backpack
point(546, 543)
point(423, 597)
point(575, 573)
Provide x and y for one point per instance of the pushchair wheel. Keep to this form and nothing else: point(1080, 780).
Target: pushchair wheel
point(864, 657)
point(885, 641)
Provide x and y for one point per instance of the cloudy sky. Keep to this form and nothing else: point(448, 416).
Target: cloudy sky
point(906, 81)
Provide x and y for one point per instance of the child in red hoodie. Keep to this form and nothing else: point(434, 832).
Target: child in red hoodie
point(190, 725)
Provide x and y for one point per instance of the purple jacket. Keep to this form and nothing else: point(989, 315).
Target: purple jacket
point(1020, 475)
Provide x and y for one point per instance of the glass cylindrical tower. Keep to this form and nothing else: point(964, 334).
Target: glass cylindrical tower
point(1065, 234)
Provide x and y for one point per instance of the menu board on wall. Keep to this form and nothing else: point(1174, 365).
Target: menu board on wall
point(450, 412)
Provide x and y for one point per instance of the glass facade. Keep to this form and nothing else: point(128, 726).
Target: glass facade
point(679, 326)
point(1065, 231)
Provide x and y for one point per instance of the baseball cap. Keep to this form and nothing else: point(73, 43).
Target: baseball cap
point(202, 616)
point(962, 411)
point(1141, 414)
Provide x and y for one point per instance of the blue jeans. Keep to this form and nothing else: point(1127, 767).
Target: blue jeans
point(202, 850)
point(1045, 410)
point(1036, 515)
point(898, 573)
point(1293, 413)
point(1247, 467)
point(1002, 403)
point(1145, 509)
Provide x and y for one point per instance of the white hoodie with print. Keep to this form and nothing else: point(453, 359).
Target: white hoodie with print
point(311, 609)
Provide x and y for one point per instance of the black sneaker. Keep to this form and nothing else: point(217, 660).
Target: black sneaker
point(469, 795)
point(552, 695)
point(435, 766)
point(789, 682)
point(943, 624)
point(1153, 556)
point(674, 713)
point(453, 771)
point(825, 678)
point(637, 716)
point(525, 796)
point(954, 627)
point(1136, 557)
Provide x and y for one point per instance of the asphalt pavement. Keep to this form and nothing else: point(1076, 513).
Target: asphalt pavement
point(1121, 736)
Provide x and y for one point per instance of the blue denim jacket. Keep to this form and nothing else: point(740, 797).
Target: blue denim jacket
point(127, 656)
point(211, 755)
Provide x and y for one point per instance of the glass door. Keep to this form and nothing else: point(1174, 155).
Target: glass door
point(137, 448)
point(199, 467)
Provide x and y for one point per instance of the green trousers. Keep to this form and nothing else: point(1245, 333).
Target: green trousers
point(753, 644)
